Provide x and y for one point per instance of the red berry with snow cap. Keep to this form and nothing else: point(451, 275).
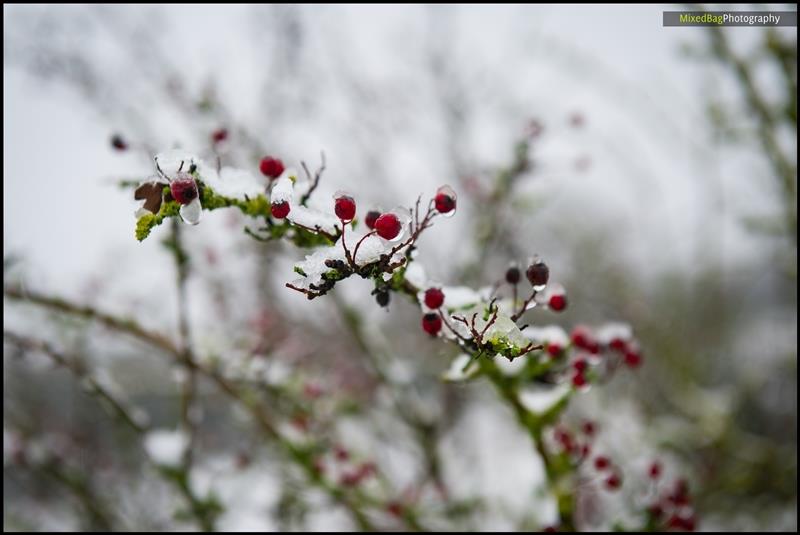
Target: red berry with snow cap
point(431, 323)
point(183, 188)
point(601, 462)
point(613, 482)
point(345, 207)
point(388, 226)
point(554, 349)
point(271, 167)
point(434, 298)
point(280, 209)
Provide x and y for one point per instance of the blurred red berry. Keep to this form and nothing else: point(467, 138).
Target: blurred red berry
point(513, 275)
point(395, 509)
point(434, 298)
point(118, 142)
point(618, 344)
point(601, 462)
point(432, 323)
point(340, 453)
point(588, 428)
point(370, 219)
point(578, 380)
point(558, 302)
point(580, 365)
point(613, 482)
point(219, 135)
point(271, 167)
point(554, 349)
point(633, 359)
point(654, 472)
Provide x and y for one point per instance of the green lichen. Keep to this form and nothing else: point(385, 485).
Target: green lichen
point(148, 222)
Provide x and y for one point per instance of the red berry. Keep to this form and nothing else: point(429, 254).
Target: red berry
point(618, 344)
point(655, 511)
point(538, 274)
point(340, 453)
point(588, 428)
point(582, 337)
point(183, 189)
point(118, 143)
point(580, 365)
point(655, 470)
point(558, 302)
point(550, 529)
point(395, 509)
point(434, 298)
point(271, 167)
point(682, 523)
point(578, 380)
point(632, 358)
point(219, 135)
point(370, 218)
point(554, 349)
point(613, 482)
point(280, 209)
point(601, 462)
point(432, 323)
point(345, 208)
point(388, 226)
point(513, 275)
point(445, 200)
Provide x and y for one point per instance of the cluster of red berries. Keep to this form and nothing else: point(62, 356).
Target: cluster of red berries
point(538, 275)
point(588, 350)
point(432, 321)
point(579, 449)
point(673, 509)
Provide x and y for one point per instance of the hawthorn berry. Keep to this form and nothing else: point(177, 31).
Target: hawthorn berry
point(219, 135)
point(632, 358)
point(654, 472)
point(613, 482)
point(395, 509)
point(118, 142)
point(618, 344)
point(578, 380)
point(601, 462)
point(513, 274)
point(271, 167)
point(588, 428)
point(445, 201)
point(382, 297)
point(370, 219)
point(434, 298)
point(554, 349)
point(681, 522)
point(388, 226)
point(557, 302)
point(582, 337)
point(345, 207)
point(431, 323)
point(280, 209)
point(183, 188)
point(580, 365)
point(538, 273)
